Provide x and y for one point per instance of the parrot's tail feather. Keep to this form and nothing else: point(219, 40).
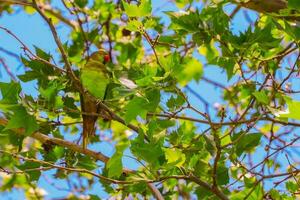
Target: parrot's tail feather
point(88, 129)
point(84, 143)
point(88, 105)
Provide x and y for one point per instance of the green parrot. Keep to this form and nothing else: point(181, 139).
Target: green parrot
point(95, 79)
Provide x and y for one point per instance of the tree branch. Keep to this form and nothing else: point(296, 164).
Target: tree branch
point(66, 168)
point(74, 147)
point(77, 148)
point(59, 45)
point(7, 69)
point(265, 6)
point(47, 9)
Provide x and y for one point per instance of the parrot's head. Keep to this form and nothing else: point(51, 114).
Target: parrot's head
point(100, 56)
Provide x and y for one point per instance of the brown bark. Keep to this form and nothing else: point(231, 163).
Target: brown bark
point(265, 6)
point(269, 6)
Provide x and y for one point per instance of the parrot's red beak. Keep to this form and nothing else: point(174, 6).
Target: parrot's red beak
point(106, 58)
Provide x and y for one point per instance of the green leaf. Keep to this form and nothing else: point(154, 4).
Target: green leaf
point(39, 67)
point(150, 152)
point(150, 23)
point(139, 106)
point(226, 139)
point(50, 93)
point(263, 37)
point(293, 31)
point(174, 157)
point(261, 97)
point(294, 4)
point(157, 128)
point(86, 162)
point(141, 10)
point(222, 174)
point(182, 3)
point(15, 139)
point(227, 64)
point(39, 71)
point(203, 193)
point(184, 134)
point(42, 54)
point(192, 69)
point(69, 104)
point(210, 144)
point(247, 142)
point(136, 107)
point(10, 92)
point(29, 10)
point(128, 52)
point(153, 98)
point(29, 76)
point(114, 164)
point(21, 119)
point(94, 197)
point(175, 103)
point(81, 3)
point(255, 193)
point(209, 50)
point(34, 174)
point(134, 25)
point(250, 181)
point(291, 186)
point(202, 168)
point(59, 152)
point(293, 110)
point(275, 194)
point(187, 21)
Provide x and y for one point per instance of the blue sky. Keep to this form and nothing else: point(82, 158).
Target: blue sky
point(33, 31)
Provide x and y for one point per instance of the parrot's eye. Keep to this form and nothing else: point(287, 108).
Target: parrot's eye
point(106, 58)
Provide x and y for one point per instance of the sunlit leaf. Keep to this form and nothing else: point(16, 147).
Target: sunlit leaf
point(17, 121)
point(175, 157)
point(293, 110)
point(261, 97)
point(141, 10)
point(246, 142)
point(293, 4)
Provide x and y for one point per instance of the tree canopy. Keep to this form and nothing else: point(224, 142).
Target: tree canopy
point(187, 107)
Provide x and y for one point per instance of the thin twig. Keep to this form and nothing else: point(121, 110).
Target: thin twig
point(7, 69)
point(58, 42)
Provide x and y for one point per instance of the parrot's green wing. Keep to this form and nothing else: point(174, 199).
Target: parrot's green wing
point(94, 79)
